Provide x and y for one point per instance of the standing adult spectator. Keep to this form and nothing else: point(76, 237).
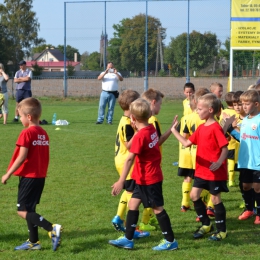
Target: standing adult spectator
point(110, 78)
point(23, 79)
point(3, 90)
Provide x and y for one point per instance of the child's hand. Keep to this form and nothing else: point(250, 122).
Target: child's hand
point(174, 123)
point(116, 188)
point(5, 178)
point(214, 166)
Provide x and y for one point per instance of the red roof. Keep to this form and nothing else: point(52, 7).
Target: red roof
point(51, 63)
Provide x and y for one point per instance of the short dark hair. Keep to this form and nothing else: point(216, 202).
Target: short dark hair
point(189, 85)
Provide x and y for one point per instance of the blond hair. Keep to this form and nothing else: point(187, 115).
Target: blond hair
point(140, 109)
point(251, 95)
point(215, 85)
point(30, 106)
point(200, 92)
point(152, 94)
point(127, 97)
point(211, 101)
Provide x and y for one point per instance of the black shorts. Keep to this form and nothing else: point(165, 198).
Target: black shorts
point(150, 195)
point(29, 193)
point(186, 172)
point(214, 187)
point(231, 154)
point(21, 94)
point(249, 176)
point(129, 185)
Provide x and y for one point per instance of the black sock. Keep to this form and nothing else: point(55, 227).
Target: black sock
point(131, 221)
point(33, 232)
point(38, 220)
point(220, 217)
point(257, 199)
point(201, 211)
point(249, 199)
point(165, 225)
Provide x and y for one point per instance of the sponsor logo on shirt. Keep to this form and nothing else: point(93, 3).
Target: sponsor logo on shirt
point(41, 141)
point(245, 136)
point(155, 140)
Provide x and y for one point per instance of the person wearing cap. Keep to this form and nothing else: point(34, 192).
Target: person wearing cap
point(23, 79)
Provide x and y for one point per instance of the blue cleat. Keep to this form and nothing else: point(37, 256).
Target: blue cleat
point(122, 242)
point(29, 246)
point(165, 245)
point(118, 224)
point(141, 234)
point(55, 236)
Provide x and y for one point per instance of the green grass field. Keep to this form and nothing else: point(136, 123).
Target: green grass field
point(77, 194)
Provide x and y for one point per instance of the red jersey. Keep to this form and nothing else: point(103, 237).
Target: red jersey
point(36, 140)
point(209, 140)
point(147, 166)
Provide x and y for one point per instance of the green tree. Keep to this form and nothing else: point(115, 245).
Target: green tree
point(37, 70)
point(203, 49)
point(40, 48)
point(22, 27)
point(127, 48)
point(71, 70)
point(83, 59)
point(69, 52)
point(93, 61)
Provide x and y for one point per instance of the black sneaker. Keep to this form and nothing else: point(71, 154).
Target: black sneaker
point(15, 120)
point(98, 123)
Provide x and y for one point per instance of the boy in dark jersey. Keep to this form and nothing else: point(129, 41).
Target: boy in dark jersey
point(147, 173)
point(30, 162)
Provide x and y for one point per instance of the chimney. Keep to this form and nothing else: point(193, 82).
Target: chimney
point(75, 57)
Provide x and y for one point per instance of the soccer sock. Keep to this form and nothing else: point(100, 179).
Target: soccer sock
point(38, 220)
point(122, 206)
point(220, 217)
point(186, 188)
point(249, 199)
point(128, 196)
point(131, 221)
point(231, 172)
point(33, 232)
point(165, 225)
point(257, 199)
point(205, 196)
point(147, 213)
point(210, 203)
point(201, 211)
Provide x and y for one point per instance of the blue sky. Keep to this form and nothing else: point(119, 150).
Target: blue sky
point(85, 21)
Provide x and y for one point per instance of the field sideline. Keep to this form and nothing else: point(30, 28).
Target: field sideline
point(77, 193)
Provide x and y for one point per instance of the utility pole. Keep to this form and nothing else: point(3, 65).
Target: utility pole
point(159, 51)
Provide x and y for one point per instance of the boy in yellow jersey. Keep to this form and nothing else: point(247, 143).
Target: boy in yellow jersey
point(232, 142)
point(154, 98)
point(125, 132)
point(188, 90)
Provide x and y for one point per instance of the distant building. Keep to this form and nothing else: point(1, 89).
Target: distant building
point(52, 60)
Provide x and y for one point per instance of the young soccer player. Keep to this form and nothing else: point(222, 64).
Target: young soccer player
point(188, 90)
point(249, 153)
point(147, 173)
point(229, 96)
point(30, 162)
point(125, 133)
point(211, 168)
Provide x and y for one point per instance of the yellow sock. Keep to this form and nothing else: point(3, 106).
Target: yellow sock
point(210, 203)
point(205, 196)
point(147, 213)
point(186, 188)
point(128, 196)
point(122, 206)
point(231, 172)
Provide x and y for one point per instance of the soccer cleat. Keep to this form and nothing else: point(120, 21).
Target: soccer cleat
point(29, 246)
point(200, 232)
point(257, 220)
point(122, 242)
point(218, 236)
point(146, 227)
point(140, 234)
point(153, 221)
point(184, 208)
point(166, 245)
point(210, 212)
point(55, 236)
point(246, 214)
point(118, 224)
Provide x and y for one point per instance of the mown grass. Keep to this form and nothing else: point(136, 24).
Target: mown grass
point(77, 193)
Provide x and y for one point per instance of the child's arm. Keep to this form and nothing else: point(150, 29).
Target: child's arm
point(223, 156)
point(118, 186)
point(185, 142)
point(17, 163)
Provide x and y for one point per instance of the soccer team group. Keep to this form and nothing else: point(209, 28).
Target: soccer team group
point(214, 142)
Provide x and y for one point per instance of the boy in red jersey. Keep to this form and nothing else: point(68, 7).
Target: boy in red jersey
point(147, 173)
point(211, 166)
point(30, 162)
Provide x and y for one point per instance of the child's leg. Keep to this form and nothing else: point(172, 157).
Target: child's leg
point(122, 206)
point(220, 213)
point(36, 219)
point(248, 196)
point(186, 188)
point(165, 223)
point(231, 172)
